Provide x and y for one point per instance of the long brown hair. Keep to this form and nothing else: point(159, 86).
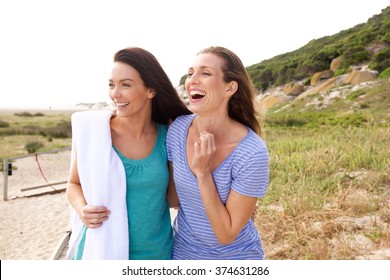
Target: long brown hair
point(241, 105)
point(166, 104)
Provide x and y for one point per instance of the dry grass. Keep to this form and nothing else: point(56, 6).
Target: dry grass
point(329, 194)
point(24, 129)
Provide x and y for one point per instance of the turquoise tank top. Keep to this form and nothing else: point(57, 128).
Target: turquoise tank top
point(149, 220)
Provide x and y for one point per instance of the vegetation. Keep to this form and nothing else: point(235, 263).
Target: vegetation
point(328, 195)
point(359, 108)
point(33, 146)
point(20, 133)
point(355, 46)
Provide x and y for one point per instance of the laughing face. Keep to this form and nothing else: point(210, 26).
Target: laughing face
point(127, 90)
point(206, 88)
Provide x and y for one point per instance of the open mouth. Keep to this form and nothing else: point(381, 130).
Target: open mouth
point(197, 95)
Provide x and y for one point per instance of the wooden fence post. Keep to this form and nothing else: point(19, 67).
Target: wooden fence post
point(5, 173)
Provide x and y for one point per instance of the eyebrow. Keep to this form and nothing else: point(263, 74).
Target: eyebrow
point(122, 80)
point(202, 67)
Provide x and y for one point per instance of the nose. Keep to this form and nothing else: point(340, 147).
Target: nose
point(115, 92)
point(193, 78)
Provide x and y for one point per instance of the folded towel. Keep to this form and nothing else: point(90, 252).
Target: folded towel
point(103, 180)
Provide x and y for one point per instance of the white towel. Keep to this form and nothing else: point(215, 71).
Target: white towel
point(103, 180)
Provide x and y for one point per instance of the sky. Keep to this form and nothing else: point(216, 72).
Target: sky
point(59, 53)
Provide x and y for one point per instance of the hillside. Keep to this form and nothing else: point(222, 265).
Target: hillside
point(365, 104)
point(367, 43)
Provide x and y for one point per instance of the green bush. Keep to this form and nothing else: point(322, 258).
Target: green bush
point(33, 146)
point(385, 73)
point(381, 60)
point(24, 114)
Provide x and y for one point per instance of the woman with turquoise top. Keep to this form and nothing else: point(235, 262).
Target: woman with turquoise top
point(119, 186)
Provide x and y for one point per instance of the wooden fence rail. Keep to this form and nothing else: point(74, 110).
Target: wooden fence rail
point(7, 169)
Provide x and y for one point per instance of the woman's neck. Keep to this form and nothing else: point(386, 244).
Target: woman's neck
point(135, 127)
point(217, 125)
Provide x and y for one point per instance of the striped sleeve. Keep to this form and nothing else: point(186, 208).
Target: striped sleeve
point(251, 174)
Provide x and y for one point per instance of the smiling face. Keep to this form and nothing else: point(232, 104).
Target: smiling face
point(128, 92)
point(205, 85)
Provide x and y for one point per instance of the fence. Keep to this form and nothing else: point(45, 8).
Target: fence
point(51, 168)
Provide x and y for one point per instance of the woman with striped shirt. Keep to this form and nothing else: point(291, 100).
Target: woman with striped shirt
point(220, 163)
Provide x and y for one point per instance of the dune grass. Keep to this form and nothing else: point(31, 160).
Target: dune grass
point(322, 180)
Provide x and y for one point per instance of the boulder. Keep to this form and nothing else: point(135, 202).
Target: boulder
point(271, 101)
point(336, 63)
point(293, 89)
point(288, 88)
point(297, 89)
point(319, 77)
point(357, 77)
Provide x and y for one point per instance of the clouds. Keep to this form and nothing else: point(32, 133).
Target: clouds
point(60, 52)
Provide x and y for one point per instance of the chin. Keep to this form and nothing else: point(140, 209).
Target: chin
point(194, 108)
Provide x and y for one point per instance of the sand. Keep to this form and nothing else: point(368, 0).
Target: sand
point(31, 227)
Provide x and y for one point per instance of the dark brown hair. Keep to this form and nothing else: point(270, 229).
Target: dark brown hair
point(241, 105)
point(166, 104)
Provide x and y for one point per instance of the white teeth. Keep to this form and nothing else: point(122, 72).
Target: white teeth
point(119, 104)
point(195, 92)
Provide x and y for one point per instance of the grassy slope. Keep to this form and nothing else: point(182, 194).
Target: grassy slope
point(329, 195)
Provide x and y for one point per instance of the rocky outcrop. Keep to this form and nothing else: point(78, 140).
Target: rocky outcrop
point(336, 63)
point(327, 85)
point(293, 89)
point(319, 77)
point(376, 47)
point(321, 82)
point(270, 101)
point(360, 76)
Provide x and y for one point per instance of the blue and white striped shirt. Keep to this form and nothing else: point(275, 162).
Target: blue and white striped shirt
point(245, 170)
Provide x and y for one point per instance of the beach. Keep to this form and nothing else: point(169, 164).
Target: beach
point(35, 223)
point(32, 226)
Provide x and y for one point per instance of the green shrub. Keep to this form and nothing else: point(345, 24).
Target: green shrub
point(381, 60)
point(24, 114)
point(33, 146)
point(385, 73)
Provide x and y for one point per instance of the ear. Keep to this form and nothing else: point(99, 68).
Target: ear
point(151, 93)
point(231, 88)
